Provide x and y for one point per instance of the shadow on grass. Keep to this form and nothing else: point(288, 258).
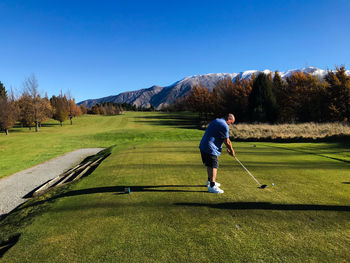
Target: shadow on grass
point(17, 128)
point(50, 124)
point(183, 121)
point(118, 190)
point(306, 152)
point(135, 188)
point(269, 206)
point(333, 138)
point(5, 246)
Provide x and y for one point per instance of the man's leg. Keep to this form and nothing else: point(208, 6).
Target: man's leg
point(211, 174)
point(212, 169)
point(213, 187)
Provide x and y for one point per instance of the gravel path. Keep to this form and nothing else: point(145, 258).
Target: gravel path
point(14, 187)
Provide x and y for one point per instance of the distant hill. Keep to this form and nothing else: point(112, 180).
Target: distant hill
point(163, 96)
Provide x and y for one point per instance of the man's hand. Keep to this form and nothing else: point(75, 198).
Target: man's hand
point(228, 144)
point(232, 153)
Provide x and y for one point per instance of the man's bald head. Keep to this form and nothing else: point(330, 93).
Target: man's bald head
point(230, 118)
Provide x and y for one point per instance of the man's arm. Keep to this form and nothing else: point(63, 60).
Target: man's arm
point(228, 144)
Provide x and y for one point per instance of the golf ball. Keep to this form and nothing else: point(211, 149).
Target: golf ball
point(272, 184)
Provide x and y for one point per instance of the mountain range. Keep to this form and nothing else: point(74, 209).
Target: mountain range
point(163, 96)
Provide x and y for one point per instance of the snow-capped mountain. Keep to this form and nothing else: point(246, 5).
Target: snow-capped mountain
point(163, 96)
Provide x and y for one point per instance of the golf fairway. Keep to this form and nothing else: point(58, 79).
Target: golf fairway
point(170, 217)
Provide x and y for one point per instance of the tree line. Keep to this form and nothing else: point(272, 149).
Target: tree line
point(267, 98)
point(31, 109)
point(106, 108)
point(112, 108)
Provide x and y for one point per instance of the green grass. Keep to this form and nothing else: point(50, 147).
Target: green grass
point(169, 216)
point(24, 148)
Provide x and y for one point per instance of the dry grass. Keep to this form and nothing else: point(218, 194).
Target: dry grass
point(308, 131)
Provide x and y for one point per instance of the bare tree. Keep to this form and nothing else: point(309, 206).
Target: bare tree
point(31, 86)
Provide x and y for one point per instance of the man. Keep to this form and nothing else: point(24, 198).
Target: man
point(211, 146)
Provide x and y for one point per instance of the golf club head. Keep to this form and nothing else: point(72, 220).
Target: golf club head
point(263, 186)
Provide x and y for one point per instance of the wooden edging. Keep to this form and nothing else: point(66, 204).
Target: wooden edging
point(87, 168)
point(70, 175)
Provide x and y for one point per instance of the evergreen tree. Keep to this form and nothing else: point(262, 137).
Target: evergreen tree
point(277, 83)
point(339, 94)
point(3, 93)
point(262, 101)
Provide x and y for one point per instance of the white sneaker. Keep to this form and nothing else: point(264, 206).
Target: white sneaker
point(216, 183)
point(215, 190)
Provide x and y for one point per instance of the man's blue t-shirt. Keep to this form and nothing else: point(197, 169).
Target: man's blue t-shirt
point(214, 136)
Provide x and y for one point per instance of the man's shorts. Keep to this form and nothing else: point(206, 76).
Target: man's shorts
point(210, 160)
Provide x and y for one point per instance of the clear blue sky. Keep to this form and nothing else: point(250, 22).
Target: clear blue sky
point(101, 48)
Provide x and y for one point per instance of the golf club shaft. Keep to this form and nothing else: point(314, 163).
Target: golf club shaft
point(247, 171)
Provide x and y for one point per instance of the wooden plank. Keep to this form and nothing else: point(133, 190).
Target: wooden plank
point(47, 185)
point(57, 180)
point(86, 169)
point(73, 173)
point(64, 177)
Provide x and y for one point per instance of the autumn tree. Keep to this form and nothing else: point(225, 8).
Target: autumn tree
point(223, 96)
point(206, 102)
point(106, 108)
point(112, 109)
point(102, 110)
point(8, 114)
point(200, 100)
point(46, 110)
point(95, 110)
point(73, 109)
point(232, 96)
point(25, 106)
point(179, 104)
point(302, 99)
point(83, 109)
point(60, 108)
point(119, 109)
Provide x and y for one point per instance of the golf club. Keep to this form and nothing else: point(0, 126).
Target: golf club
point(261, 186)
